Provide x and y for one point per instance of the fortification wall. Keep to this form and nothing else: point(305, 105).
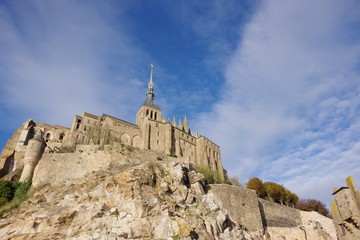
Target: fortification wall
point(277, 215)
point(57, 168)
point(246, 209)
point(241, 203)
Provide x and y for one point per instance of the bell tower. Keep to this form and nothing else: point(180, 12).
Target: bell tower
point(149, 109)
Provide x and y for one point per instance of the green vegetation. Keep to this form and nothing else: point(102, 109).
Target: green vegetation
point(273, 192)
point(12, 194)
point(210, 176)
point(278, 193)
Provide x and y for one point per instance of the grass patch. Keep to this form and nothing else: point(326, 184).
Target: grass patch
point(12, 194)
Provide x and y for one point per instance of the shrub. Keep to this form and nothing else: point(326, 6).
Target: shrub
point(21, 190)
point(210, 176)
point(7, 190)
point(14, 192)
point(313, 205)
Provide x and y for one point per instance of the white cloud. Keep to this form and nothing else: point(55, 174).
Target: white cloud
point(62, 58)
point(289, 110)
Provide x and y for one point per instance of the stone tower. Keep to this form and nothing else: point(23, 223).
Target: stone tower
point(149, 109)
point(33, 153)
point(346, 211)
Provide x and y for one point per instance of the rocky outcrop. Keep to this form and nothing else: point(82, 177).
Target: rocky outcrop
point(140, 195)
point(151, 200)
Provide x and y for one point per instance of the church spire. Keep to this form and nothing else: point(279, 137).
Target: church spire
point(150, 90)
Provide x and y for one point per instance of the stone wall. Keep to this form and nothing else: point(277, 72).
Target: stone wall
point(57, 168)
point(277, 215)
point(241, 203)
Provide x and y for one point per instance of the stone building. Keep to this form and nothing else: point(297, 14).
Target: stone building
point(346, 211)
point(151, 132)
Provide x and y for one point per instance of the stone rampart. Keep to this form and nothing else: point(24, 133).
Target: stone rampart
point(57, 168)
point(277, 215)
point(241, 203)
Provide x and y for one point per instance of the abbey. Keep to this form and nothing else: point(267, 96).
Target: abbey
point(150, 132)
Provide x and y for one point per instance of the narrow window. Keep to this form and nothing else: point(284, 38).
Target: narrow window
point(147, 112)
point(47, 138)
point(155, 115)
point(78, 123)
point(151, 114)
point(157, 142)
point(61, 136)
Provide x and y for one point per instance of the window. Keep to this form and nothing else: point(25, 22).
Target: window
point(157, 142)
point(155, 115)
point(47, 138)
point(158, 133)
point(61, 136)
point(85, 128)
point(151, 114)
point(78, 122)
point(147, 112)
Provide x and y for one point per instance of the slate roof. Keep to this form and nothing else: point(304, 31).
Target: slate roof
point(150, 102)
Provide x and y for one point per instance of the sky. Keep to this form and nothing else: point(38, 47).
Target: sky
point(274, 83)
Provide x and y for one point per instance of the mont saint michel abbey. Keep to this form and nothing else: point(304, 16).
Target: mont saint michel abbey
point(150, 132)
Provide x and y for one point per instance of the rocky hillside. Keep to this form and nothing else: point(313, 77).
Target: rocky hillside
point(151, 200)
point(155, 199)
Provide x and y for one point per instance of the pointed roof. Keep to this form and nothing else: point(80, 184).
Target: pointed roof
point(149, 101)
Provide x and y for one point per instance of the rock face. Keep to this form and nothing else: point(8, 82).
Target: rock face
point(151, 200)
point(140, 199)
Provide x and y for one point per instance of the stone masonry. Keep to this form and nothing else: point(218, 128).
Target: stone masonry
point(346, 211)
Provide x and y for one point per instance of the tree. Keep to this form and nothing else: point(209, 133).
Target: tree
point(275, 192)
point(290, 198)
point(257, 185)
point(313, 205)
point(272, 191)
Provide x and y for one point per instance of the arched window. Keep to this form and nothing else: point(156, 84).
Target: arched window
point(61, 136)
point(151, 114)
point(155, 115)
point(147, 112)
point(47, 138)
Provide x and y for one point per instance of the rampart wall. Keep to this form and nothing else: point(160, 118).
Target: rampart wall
point(242, 205)
point(277, 215)
point(57, 168)
point(246, 210)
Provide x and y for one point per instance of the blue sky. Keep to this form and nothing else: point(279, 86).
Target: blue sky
point(274, 83)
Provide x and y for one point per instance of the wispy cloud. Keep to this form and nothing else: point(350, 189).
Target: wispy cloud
point(289, 111)
point(59, 59)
